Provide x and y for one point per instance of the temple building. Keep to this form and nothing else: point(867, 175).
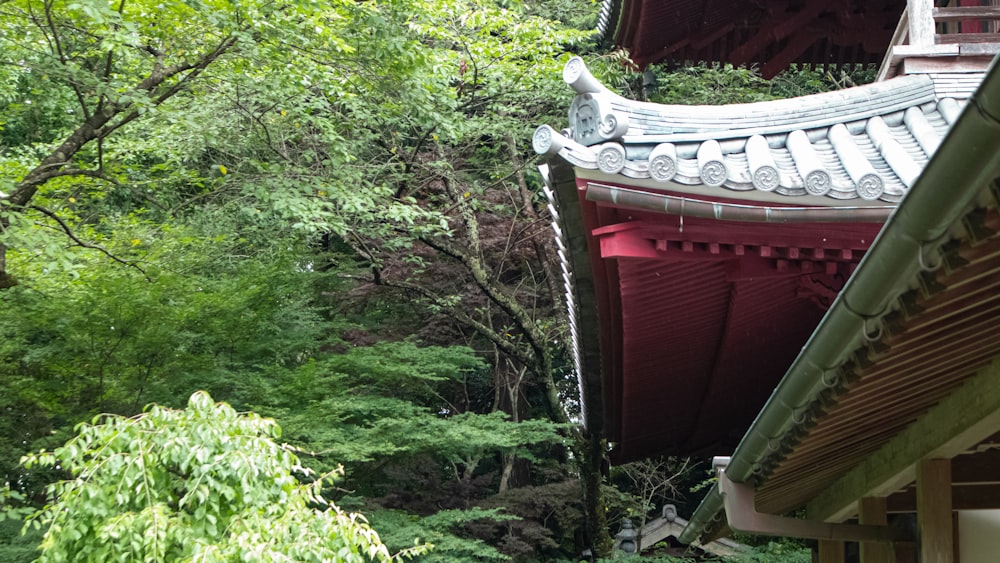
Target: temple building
point(807, 289)
point(771, 33)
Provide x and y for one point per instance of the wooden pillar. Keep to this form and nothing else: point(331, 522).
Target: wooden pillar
point(831, 551)
point(872, 511)
point(934, 520)
point(921, 22)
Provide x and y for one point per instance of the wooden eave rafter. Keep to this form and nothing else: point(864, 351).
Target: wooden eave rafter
point(777, 31)
point(803, 261)
point(677, 32)
point(946, 333)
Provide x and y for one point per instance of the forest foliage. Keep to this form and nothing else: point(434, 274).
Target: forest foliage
point(323, 212)
point(202, 484)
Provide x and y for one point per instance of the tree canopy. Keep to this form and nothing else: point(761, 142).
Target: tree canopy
point(323, 212)
point(316, 210)
point(201, 484)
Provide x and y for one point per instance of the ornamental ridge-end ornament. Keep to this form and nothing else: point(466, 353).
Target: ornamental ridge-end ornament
point(593, 120)
point(578, 76)
point(546, 141)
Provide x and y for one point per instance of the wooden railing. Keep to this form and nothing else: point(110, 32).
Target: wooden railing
point(954, 36)
point(953, 24)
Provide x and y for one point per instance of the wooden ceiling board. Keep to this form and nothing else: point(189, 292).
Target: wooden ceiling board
point(677, 32)
point(948, 331)
point(705, 332)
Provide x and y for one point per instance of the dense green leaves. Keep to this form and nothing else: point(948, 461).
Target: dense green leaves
point(201, 484)
point(260, 199)
point(321, 211)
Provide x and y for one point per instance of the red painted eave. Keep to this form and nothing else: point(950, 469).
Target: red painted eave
point(772, 34)
point(700, 318)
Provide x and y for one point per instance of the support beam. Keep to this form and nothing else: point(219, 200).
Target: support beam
point(974, 12)
point(959, 421)
point(937, 541)
point(981, 467)
point(963, 497)
point(776, 31)
point(831, 551)
point(742, 516)
point(872, 511)
point(795, 46)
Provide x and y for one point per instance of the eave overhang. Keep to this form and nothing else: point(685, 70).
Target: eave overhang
point(772, 35)
point(675, 283)
point(914, 330)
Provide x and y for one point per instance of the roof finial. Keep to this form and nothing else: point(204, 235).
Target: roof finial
point(578, 76)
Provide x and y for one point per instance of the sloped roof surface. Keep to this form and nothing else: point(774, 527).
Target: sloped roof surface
point(902, 367)
point(941, 333)
point(864, 143)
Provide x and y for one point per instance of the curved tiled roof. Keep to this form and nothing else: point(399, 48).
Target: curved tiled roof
point(869, 142)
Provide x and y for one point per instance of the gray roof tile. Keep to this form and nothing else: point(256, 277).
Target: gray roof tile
point(869, 142)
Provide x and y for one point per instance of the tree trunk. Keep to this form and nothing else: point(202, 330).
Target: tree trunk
point(6, 280)
point(593, 497)
point(508, 469)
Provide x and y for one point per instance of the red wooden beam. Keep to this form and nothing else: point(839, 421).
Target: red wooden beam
point(712, 37)
point(662, 53)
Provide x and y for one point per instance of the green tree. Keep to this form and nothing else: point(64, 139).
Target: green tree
point(112, 107)
point(201, 484)
point(303, 222)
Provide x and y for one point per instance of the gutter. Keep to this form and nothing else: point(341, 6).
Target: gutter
point(694, 207)
point(968, 159)
point(738, 500)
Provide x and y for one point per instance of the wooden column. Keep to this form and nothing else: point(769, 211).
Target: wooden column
point(831, 551)
point(872, 510)
point(921, 22)
point(937, 541)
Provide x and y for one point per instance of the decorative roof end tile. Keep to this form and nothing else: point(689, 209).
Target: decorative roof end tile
point(711, 163)
point(865, 143)
point(579, 78)
point(763, 170)
point(663, 162)
point(611, 158)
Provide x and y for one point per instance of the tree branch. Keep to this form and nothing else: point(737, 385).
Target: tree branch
point(533, 334)
point(160, 75)
point(79, 172)
point(62, 57)
point(488, 332)
point(69, 233)
point(97, 125)
point(482, 279)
